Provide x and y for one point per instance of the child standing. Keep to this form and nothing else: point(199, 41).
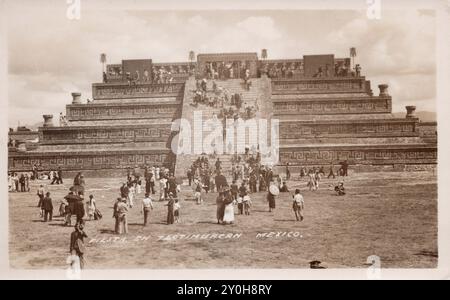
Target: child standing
point(247, 202)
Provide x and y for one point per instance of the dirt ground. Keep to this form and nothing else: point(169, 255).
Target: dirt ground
point(391, 215)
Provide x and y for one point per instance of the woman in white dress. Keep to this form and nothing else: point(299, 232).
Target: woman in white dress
point(11, 185)
point(131, 194)
point(138, 186)
point(228, 216)
point(90, 205)
point(162, 188)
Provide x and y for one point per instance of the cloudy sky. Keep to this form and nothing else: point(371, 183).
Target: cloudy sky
point(51, 56)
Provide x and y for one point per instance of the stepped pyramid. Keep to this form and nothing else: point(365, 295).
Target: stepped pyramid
point(325, 116)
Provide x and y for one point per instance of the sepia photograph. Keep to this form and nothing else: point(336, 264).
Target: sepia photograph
point(177, 136)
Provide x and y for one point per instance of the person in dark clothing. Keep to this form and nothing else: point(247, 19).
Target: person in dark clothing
point(147, 186)
point(79, 208)
point(60, 179)
point(170, 210)
point(55, 178)
point(242, 193)
point(76, 180)
point(252, 183)
point(190, 176)
point(288, 172)
point(77, 247)
point(71, 198)
point(22, 182)
point(284, 188)
point(343, 171)
point(271, 200)
point(124, 191)
point(172, 185)
point(220, 181)
point(218, 165)
point(234, 190)
point(47, 206)
point(331, 173)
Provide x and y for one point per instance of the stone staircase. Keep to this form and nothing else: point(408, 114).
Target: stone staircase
point(258, 95)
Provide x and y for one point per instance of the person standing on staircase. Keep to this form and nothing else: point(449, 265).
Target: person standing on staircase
point(218, 165)
point(190, 175)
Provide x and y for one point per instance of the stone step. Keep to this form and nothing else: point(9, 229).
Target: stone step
point(252, 97)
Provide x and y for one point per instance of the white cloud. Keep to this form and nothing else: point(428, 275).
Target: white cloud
point(260, 27)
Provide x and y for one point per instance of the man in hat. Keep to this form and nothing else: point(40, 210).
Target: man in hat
point(147, 205)
point(121, 211)
point(77, 247)
point(47, 206)
point(79, 210)
point(298, 205)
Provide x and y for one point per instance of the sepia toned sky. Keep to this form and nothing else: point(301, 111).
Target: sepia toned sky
point(51, 56)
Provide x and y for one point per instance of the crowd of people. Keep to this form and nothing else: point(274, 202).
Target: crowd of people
point(248, 176)
point(155, 75)
point(19, 182)
point(231, 105)
point(296, 69)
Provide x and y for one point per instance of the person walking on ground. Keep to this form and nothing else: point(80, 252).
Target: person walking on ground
point(116, 216)
point(273, 191)
point(162, 189)
point(47, 206)
point(234, 190)
point(176, 211)
point(27, 182)
point(41, 194)
point(298, 205)
point(122, 211)
point(77, 247)
point(170, 209)
point(131, 194)
point(288, 172)
point(60, 179)
point(198, 186)
point(22, 183)
point(124, 190)
point(91, 207)
point(79, 210)
point(247, 203)
point(242, 193)
point(220, 206)
point(189, 176)
point(147, 205)
point(331, 173)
